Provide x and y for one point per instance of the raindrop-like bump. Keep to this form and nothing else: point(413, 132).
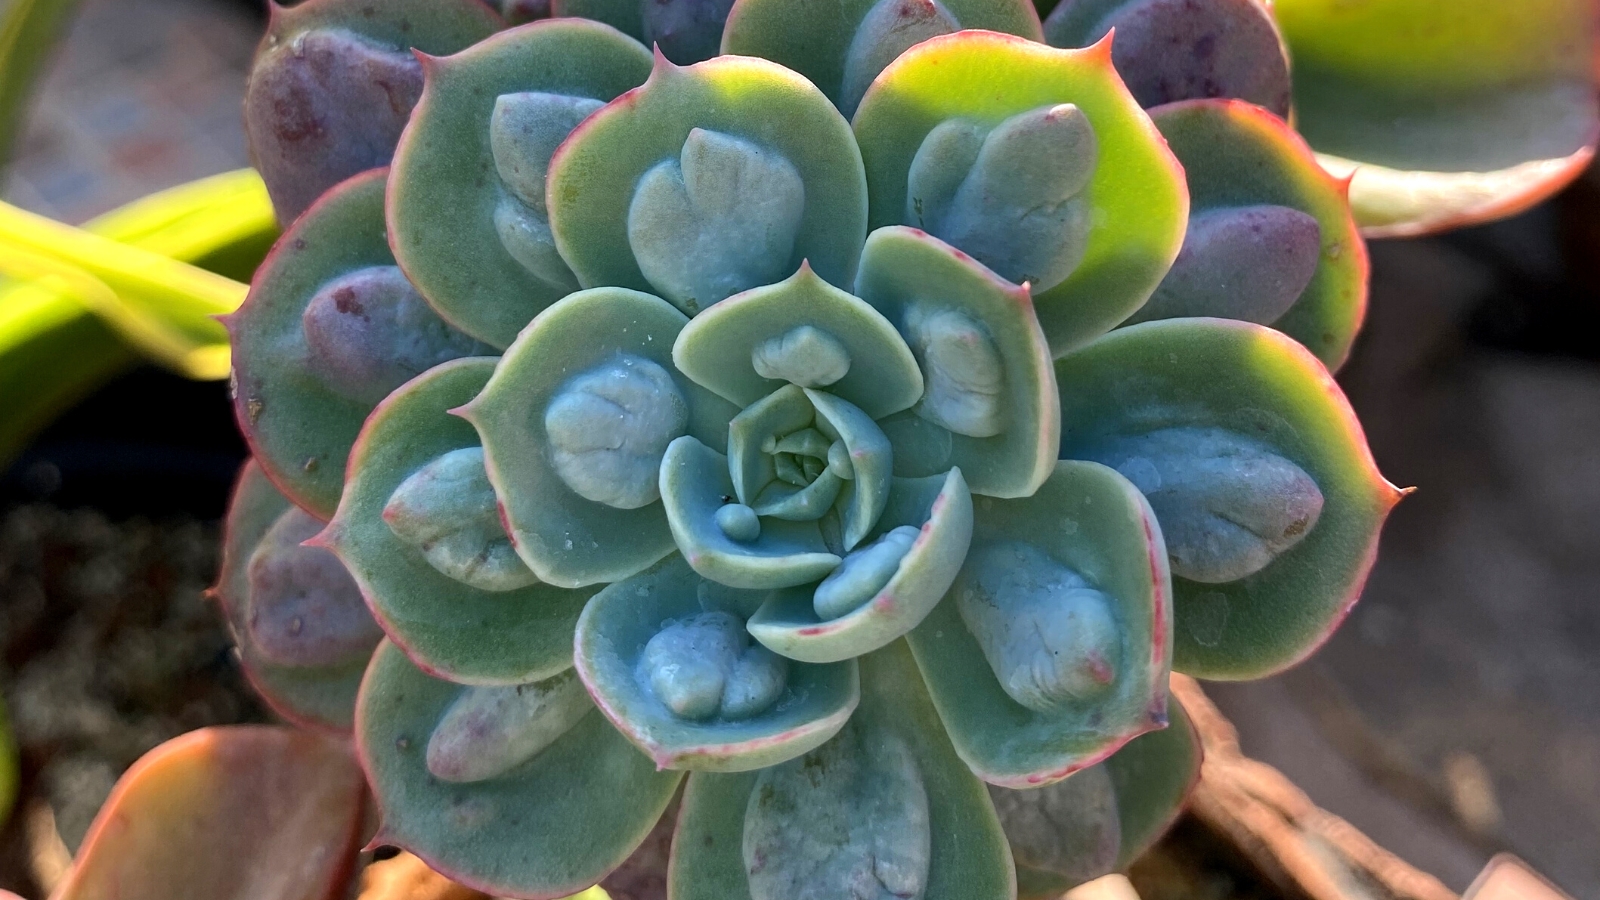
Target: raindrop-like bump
point(706, 666)
point(609, 427)
point(962, 370)
point(488, 731)
point(806, 356)
point(1228, 505)
point(448, 511)
point(721, 218)
point(369, 331)
point(843, 822)
point(1049, 635)
point(304, 609)
point(863, 574)
point(1071, 828)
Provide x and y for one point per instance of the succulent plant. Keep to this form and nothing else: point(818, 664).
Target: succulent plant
point(862, 423)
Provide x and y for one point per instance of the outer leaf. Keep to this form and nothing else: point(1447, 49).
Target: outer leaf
point(1139, 205)
point(54, 351)
point(278, 813)
point(1093, 521)
point(941, 508)
point(1257, 382)
point(451, 629)
point(612, 635)
point(1175, 50)
point(902, 269)
point(298, 427)
point(1235, 154)
point(1154, 775)
point(593, 175)
point(443, 189)
point(1447, 112)
point(317, 115)
point(548, 828)
point(319, 697)
point(813, 37)
point(565, 538)
point(970, 859)
point(1151, 778)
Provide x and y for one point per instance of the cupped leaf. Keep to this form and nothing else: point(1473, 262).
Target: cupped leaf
point(886, 809)
point(1173, 50)
point(841, 45)
point(330, 326)
point(240, 811)
point(551, 826)
point(667, 659)
point(466, 211)
point(460, 632)
point(321, 697)
point(574, 425)
point(1254, 187)
point(1136, 206)
point(1052, 649)
point(1153, 775)
point(1265, 390)
point(1444, 113)
point(1101, 819)
point(990, 407)
point(884, 589)
point(333, 81)
point(695, 487)
point(801, 331)
point(709, 180)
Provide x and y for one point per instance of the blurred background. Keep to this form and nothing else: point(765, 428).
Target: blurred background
point(1455, 715)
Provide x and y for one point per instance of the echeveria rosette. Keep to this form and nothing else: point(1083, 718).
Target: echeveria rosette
point(302, 632)
point(963, 111)
point(329, 328)
point(466, 208)
point(813, 465)
point(333, 83)
point(1271, 238)
point(1445, 113)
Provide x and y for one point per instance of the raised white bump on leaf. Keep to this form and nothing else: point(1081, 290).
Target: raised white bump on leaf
point(962, 369)
point(889, 29)
point(1049, 635)
point(806, 356)
point(609, 428)
point(1019, 207)
point(488, 731)
point(863, 574)
point(707, 666)
point(720, 219)
point(1071, 828)
point(447, 509)
point(524, 131)
point(847, 821)
point(1228, 505)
